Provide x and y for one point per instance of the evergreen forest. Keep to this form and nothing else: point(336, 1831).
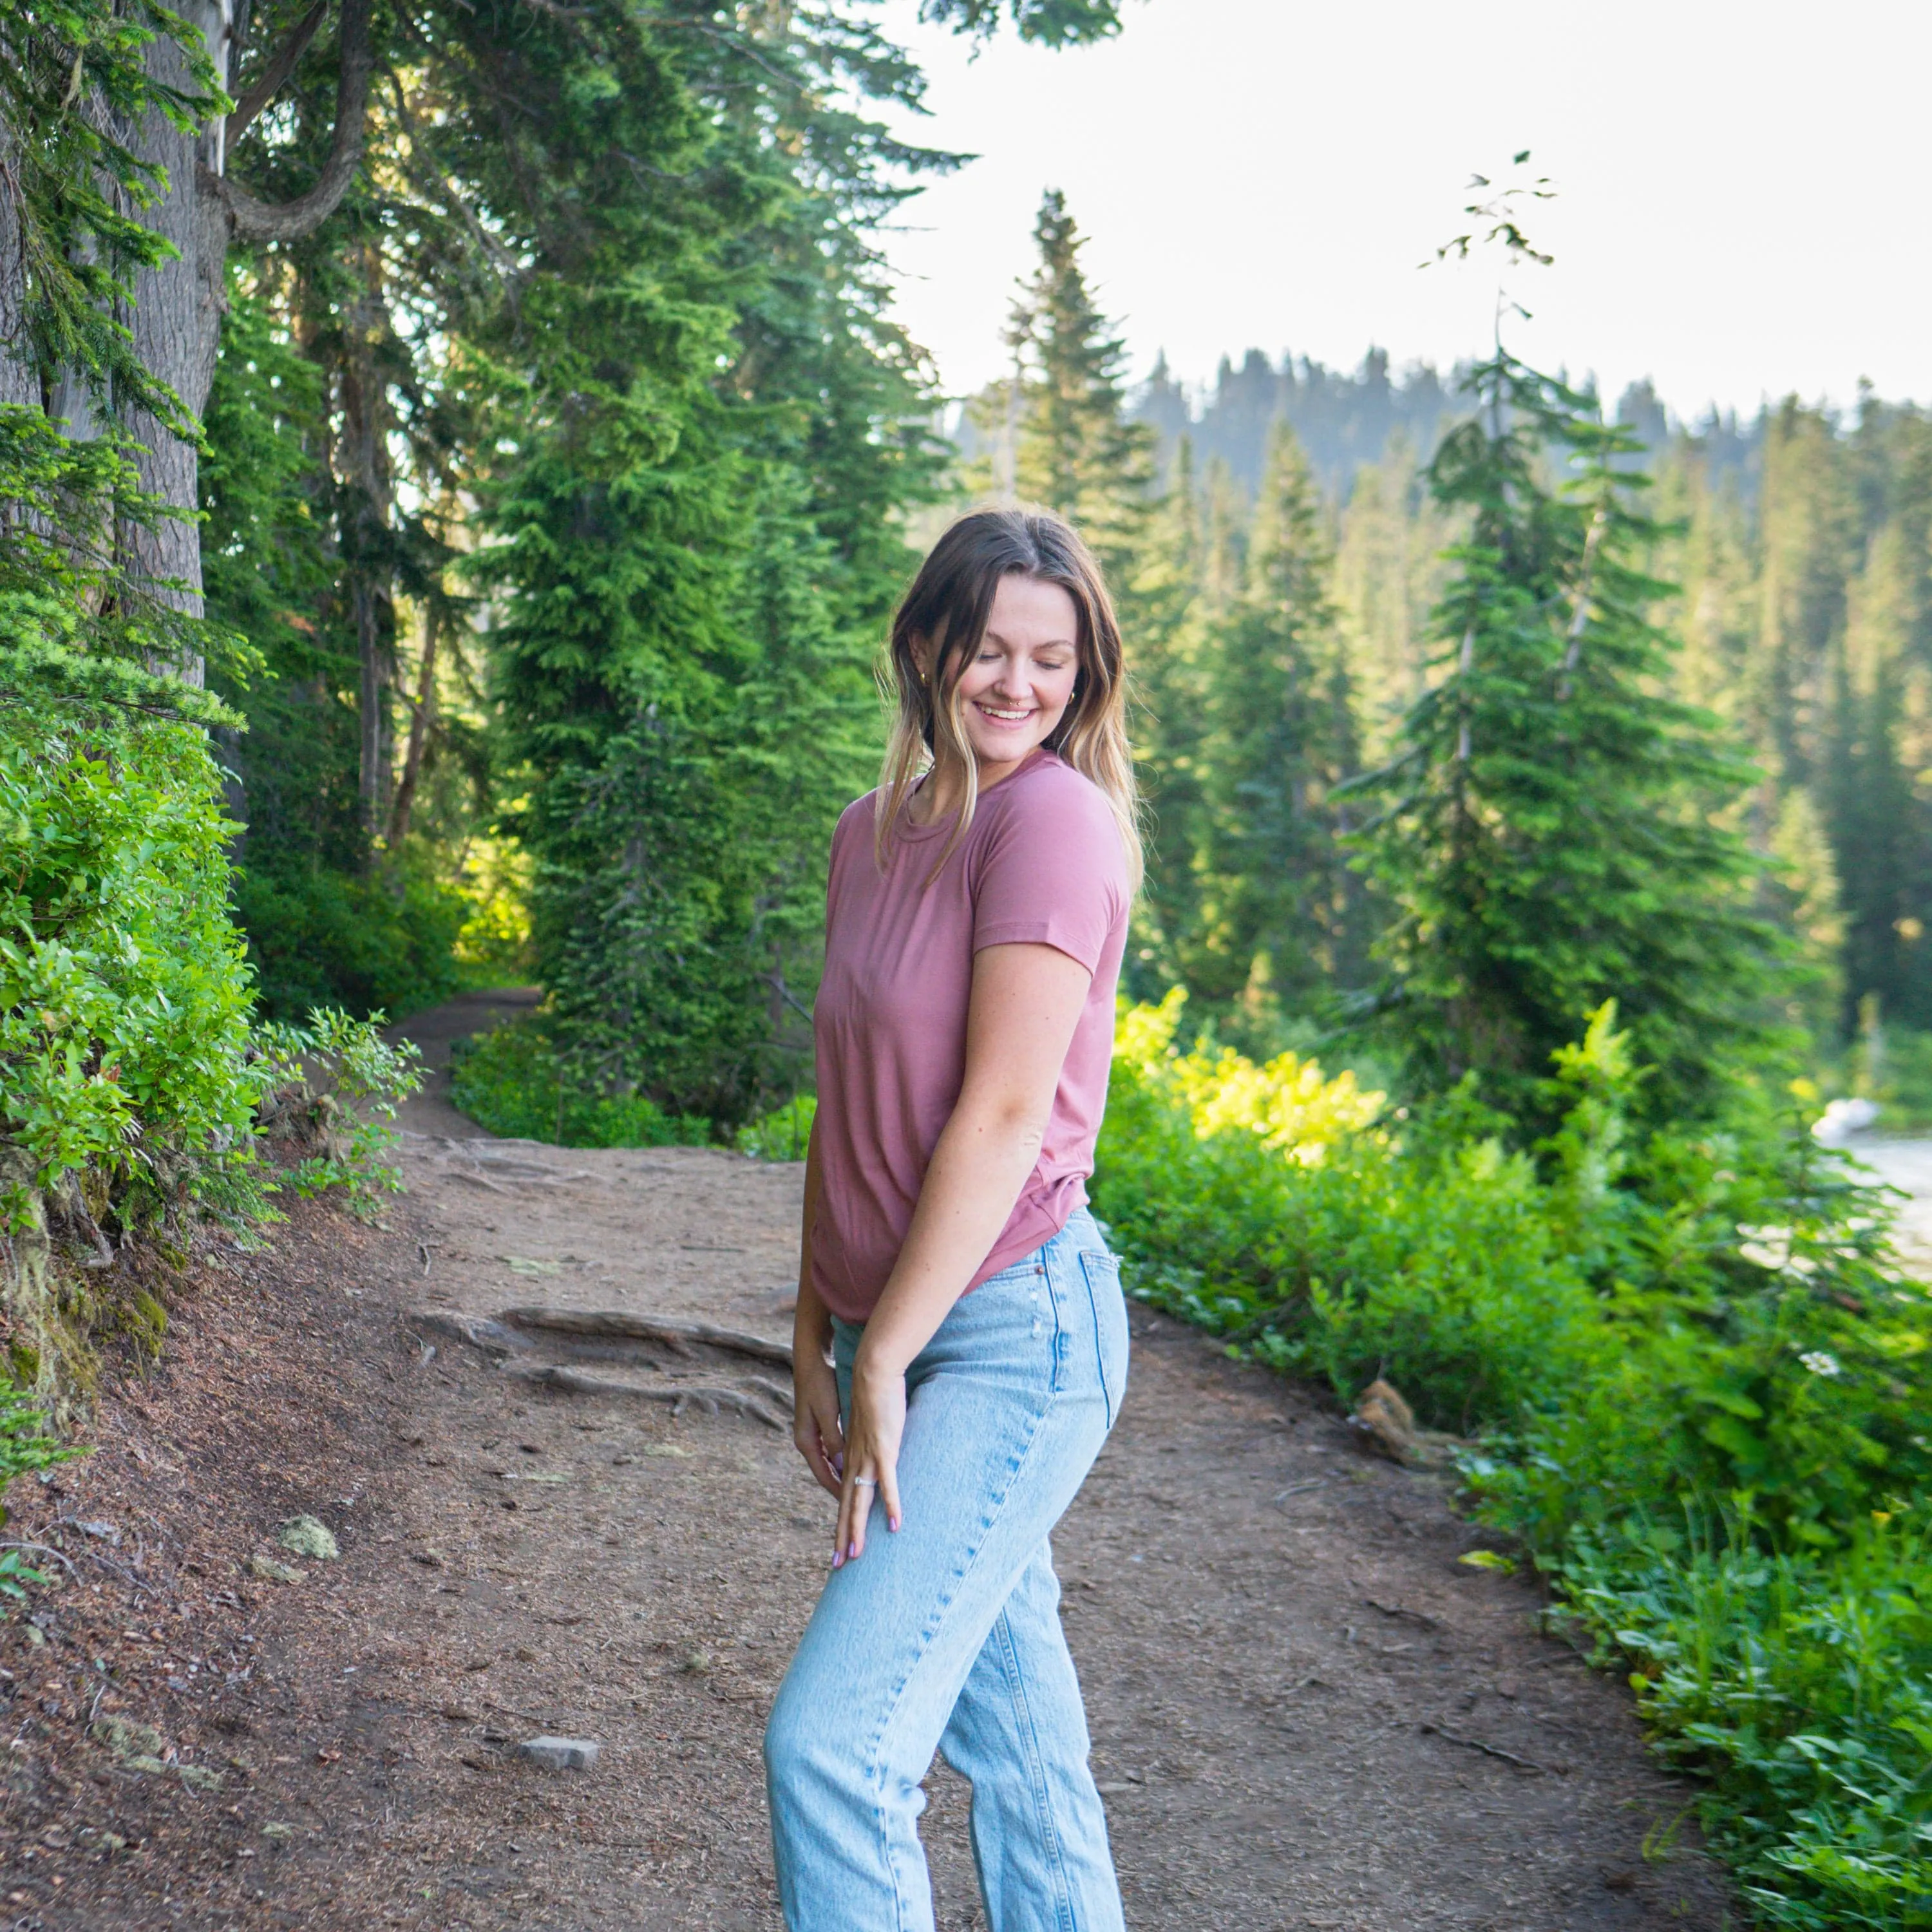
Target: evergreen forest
point(457, 462)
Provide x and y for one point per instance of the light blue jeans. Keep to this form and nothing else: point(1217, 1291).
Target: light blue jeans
point(947, 1634)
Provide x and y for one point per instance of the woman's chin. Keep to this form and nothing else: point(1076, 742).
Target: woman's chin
point(995, 747)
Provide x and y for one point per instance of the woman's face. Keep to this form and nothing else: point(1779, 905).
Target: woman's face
point(1014, 690)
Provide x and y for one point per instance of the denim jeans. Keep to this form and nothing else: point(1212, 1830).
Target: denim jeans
point(947, 1634)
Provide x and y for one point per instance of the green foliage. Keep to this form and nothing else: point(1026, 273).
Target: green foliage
point(694, 569)
point(783, 1134)
point(124, 998)
point(25, 1448)
point(1697, 1382)
point(1283, 916)
point(338, 1082)
point(74, 629)
point(516, 1081)
point(1054, 23)
point(317, 936)
point(1075, 448)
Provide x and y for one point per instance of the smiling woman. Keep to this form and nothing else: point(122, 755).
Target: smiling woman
point(960, 1350)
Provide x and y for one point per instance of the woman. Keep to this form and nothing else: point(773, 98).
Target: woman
point(975, 919)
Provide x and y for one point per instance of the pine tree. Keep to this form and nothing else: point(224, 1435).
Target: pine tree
point(1553, 833)
point(1389, 573)
point(1163, 611)
point(1078, 451)
point(1284, 915)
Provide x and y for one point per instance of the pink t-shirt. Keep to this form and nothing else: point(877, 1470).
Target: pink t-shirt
point(1042, 864)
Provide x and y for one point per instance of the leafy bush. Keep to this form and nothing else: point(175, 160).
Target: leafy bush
point(333, 1086)
point(1698, 1383)
point(784, 1133)
point(514, 1081)
point(131, 1077)
point(319, 938)
point(127, 1089)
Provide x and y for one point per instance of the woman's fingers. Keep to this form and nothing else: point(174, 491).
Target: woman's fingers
point(816, 1432)
point(819, 1458)
point(871, 1463)
point(843, 1534)
point(826, 1456)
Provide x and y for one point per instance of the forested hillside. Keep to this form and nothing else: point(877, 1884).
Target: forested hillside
point(1793, 554)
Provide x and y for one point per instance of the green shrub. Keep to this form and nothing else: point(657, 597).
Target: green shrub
point(131, 1077)
point(127, 1089)
point(333, 1088)
point(25, 1446)
point(783, 1134)
point(318, 938)
point(124, 1002)
point(513, 1082)
point(1699, 1387)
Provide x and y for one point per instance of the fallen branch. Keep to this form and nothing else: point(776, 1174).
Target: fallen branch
point(710, 1399)
point(620, 1324)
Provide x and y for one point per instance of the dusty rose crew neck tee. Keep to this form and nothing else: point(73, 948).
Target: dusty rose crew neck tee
point(1042, 864)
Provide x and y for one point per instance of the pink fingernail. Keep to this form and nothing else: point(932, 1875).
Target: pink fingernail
point(837, 1558)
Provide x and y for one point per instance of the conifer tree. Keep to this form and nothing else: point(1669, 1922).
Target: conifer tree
point(1553, 833)
point(1163, 611)
point(1285, 916)
point(1078, 451)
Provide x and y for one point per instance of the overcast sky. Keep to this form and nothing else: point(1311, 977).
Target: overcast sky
point(1746, 186)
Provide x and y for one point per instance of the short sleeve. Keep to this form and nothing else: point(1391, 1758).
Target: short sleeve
point(1052, 872)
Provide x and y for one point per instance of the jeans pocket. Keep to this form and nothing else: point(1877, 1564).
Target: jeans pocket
point(1105, 1303)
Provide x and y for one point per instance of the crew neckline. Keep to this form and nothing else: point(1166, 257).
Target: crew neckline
point(910, 828)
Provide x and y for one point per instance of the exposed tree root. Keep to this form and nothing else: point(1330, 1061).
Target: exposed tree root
point(710, 1398)
point(619, 1324)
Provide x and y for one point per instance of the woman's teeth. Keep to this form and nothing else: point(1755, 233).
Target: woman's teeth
point(1008, 717)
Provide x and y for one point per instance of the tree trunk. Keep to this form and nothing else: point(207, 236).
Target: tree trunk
point(367, 541)
point(18, 386)
point(176, 320)
point(421, 721)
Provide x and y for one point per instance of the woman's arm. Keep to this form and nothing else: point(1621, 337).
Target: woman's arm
point(1026, 1001)
point(815, 1426)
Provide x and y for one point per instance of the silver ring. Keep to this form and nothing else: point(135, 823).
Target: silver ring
point(864, 1482)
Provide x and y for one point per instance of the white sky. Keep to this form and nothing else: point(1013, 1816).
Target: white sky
point(1746, 186)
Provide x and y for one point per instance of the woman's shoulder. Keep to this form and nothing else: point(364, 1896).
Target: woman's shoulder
point(1047, 798)
point(1047, 789)
point(857, 819)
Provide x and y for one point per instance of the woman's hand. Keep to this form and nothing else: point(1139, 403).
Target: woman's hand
point(872, 1437)
point(815, 1426)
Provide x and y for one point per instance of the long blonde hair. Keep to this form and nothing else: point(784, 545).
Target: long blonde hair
point(947, 610)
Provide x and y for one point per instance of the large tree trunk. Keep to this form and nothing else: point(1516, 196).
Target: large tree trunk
point(176, 316)
point(176, 319)
point(18, 386)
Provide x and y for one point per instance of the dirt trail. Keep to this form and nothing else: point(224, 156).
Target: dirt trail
point(1305, 1712)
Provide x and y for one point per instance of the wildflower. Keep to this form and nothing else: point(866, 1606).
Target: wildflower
point(1820, 1363)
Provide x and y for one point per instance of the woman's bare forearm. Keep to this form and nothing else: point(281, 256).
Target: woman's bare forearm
point(1026, 999)
point(811, 1322)
point(981, 1162)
